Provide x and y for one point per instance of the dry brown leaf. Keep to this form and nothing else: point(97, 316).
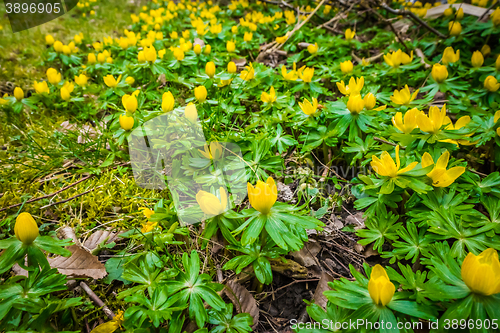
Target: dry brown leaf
point(98, 237)
point(80, 264)
point(242, 300)
point(240, 62)
point(357, 219)
point(318, 297)
point(307, 255)
point(291, 268)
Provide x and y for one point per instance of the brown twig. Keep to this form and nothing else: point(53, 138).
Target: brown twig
point(387, 142)
point(69, 199)
point(49, 195)
point(97, 300)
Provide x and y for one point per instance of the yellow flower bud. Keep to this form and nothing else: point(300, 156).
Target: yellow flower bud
point(355, 104)
point(18, 93)
point(247, 37)
point(126, 122)
point(439, 73)
point(448, 11)
point(346, 66)
point(168, 102)
point(491, 84)
point(349, 34)
point(65, 94)
point(41, 87)
point(231, 67)
point(495, 16)
point(129, 103)
point(49, 39)
point(197, 49)
point(312, 48)
point(101, 57)
point(455, 28)
point(210, 204)
point(497, 64)
point(230, 46)
point(58, 46)
point(477, 59)
point(460, 14)
point(480, 273)
point(91, 59)
point(207, 49)
point(380, 287)
point(262, 196)
point(81, 80)
point(150, 54)
point(78, 39)
point(200, 93)
point(130, 80)
point(369, 101)
point(449, 55)
point(234, 29)
point(486, 50)
point(110, 81)
point(26, 229)
point(210, 69)
point(190, 112)
point(178, 54)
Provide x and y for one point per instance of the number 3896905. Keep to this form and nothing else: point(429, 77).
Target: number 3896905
point(33, 8)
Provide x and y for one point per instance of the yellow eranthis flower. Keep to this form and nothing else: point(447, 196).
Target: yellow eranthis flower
point(231, 67)
point(369, 101)
point(65, 94)
point(197, 49)
point(26, 229)
point(247, 36)
point(178, 54)
point(354, 87)
point(129, 102)
point(403, 96)
point(41, 87)
point(308, 108)
point(439, 73)
point(439, 175)
point(49, 39)
point(66, 50)
point(398, 58)
point(282, 39)
point(263, 196)
point(147, 212)
point(148, 227)
point(481, 273)
point(97, 46)
point(312, 48)
point(130, 80)
point(355, 103)
point(495, 16)
point(207, 49)
point(53, 76)
point(380, 287)
point(460, 14)
point(409, 123)
point(364, 62)
point(91, 59)
point(213, 152)
point(210, 204)
point(110, 81)
point(432, 124)
point(460, 123)
point(167, 102)
point(81, 80)
point(126, 122)
point(110, 326)
point(349, 34)
point(268, 98)
point(306, 74)
point(210, 69)
point(230, 46)
point(58, 46)
point(385, 166)
point(248, 73)
point(346, 66)
point(485, 50)
point(477, 59)
point(224, 83)
point(190, 112)
point(289, 76)
point(449, 55)
point(200, 93)
point(18, 93)
point(454, 28)
point(491, 83)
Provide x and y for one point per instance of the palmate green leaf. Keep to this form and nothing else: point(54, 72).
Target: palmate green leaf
point(252, 232)
point(380, 227)
point(53, 245)
point(413, 309)
point(414, 241)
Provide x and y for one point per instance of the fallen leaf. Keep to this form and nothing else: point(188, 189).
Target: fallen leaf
point(357, 219)
point(98, 237)
point(80, 264)
point(322, 286)
point(242, 300)
point(307, 255)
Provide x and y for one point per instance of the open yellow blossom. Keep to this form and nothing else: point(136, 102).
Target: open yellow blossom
point(210, 204)
point(26, 229)
point(41, 87)
point(281, 40)
point(290, 76)
point(349, 34)
point(248, 73)
point(355, 103)
point(385, 166)
point(403, 96)
point(263, 196)
point(53, 76)
point(354, 87)
point(480, 273)
point(178, 54)
point(126, 122)
point(439, 175)
point(491, 83)
point(147, 212)
point(408, 123)
point(346, 66)
point(432, 124)
point(439, 73)
point(398, 58)
point(380, 287)
point(449, 55)
point(110, 81)
point(268, 98)
point(306, 74)
point(148, 227)
point(312, 48)
point(247, 37)
point(81, 80)
point(213, 152)
point(308, 108)
point(129, 102)
point(460, 123)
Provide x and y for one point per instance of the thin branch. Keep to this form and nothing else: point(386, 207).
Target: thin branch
point(387, 142)
point(97, 300)
point(69, 199)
